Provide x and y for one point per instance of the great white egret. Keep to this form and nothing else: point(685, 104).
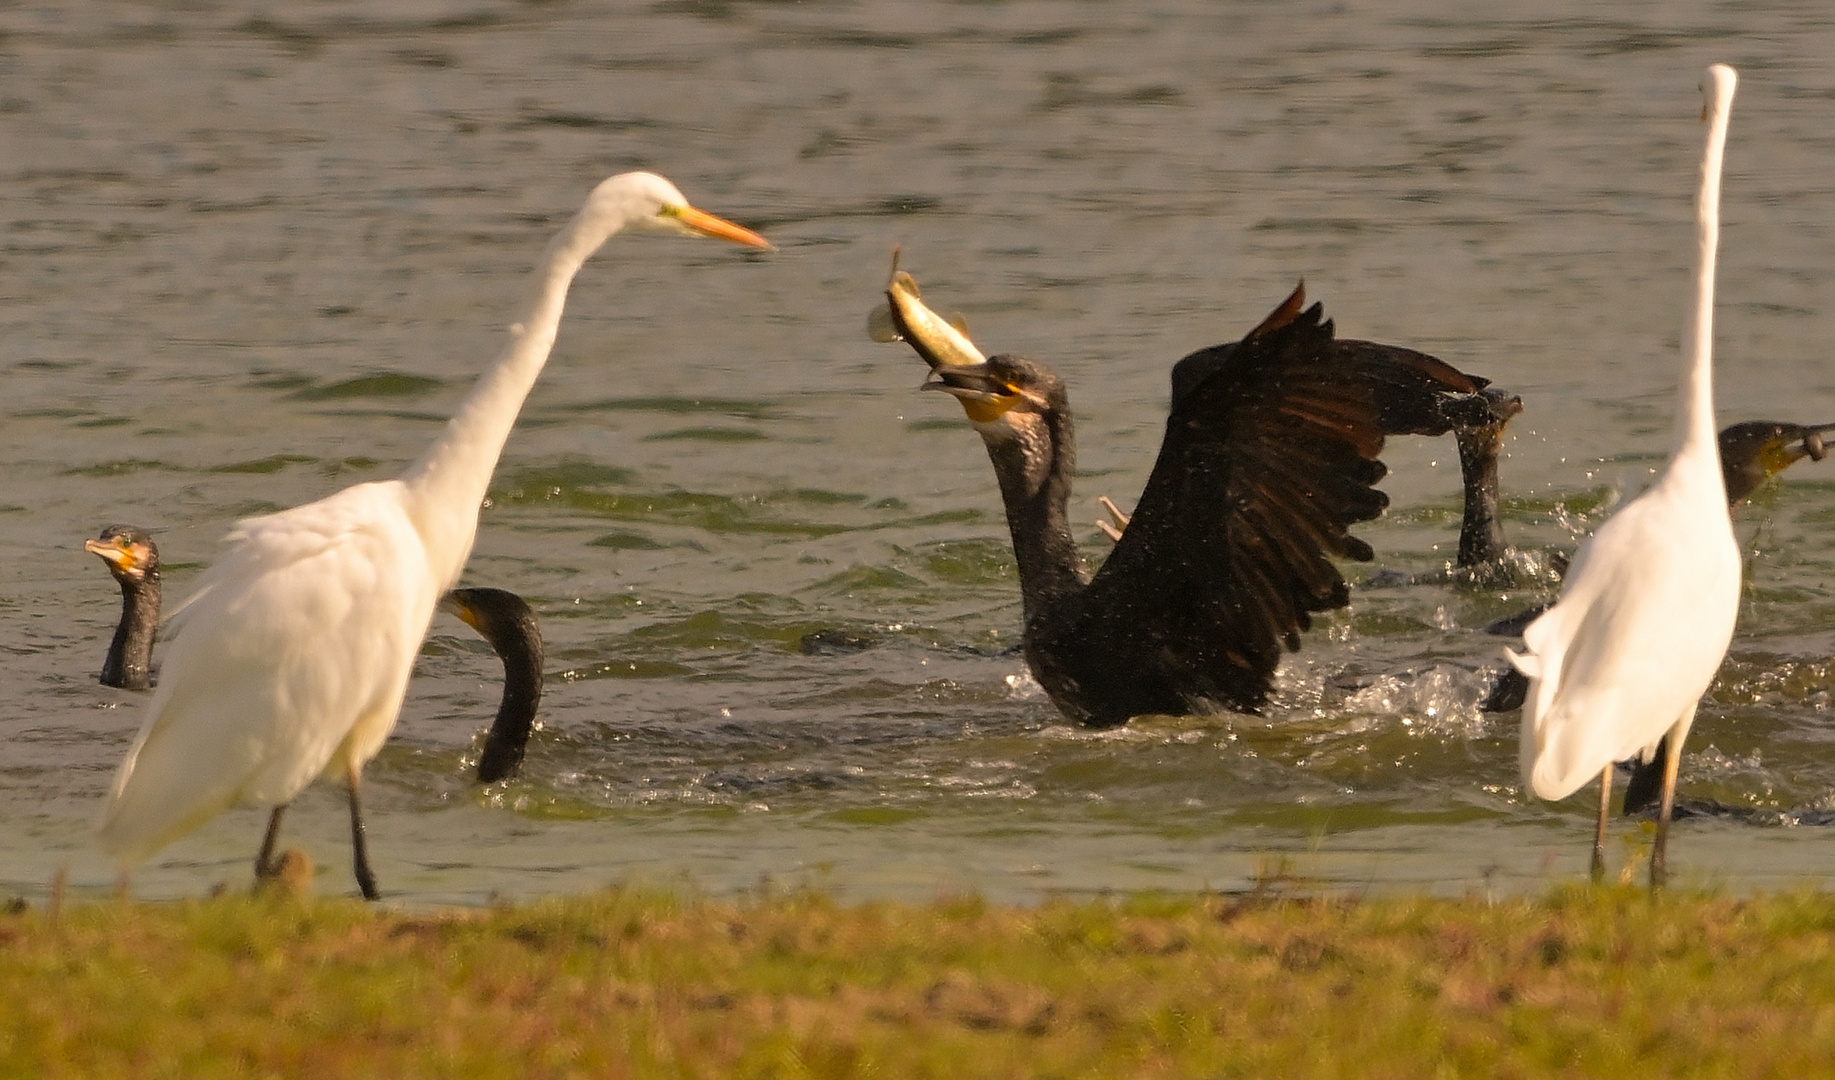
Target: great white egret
point(290, 658)
point(1647, 608)
point(1269, 457)
point(1751, 452)
point(133, 559)
point(501, 618)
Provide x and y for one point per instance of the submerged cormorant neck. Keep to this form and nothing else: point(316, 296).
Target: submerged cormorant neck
point(129, 664)
point(522, 695)
point(506, 621)
point(1481, 533)
point(1035, 456)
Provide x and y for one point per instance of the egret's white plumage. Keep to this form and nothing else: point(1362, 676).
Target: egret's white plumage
point(291, 657)
point(1647, 609)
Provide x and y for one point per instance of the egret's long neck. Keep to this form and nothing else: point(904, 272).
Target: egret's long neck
point(447, 485)
point(1695, 439)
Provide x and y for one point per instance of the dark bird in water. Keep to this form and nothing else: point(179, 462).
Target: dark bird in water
point(503, 619)
point(1750, 454)
point(133, 559)
point(1414, 394)
point(1757, 450)
point(1417, 394)
point(1269, 457)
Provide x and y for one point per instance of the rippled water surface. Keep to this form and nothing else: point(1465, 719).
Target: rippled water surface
point(252, 254)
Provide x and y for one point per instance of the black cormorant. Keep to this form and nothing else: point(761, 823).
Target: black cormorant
point(503, 619)
point(133, 559)
point(1269, 457)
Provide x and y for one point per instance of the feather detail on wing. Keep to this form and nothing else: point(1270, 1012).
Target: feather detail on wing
point(1269, 457)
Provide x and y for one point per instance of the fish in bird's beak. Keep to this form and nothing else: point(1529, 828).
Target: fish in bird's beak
point(1812, 442)
point(1795, 444)
point(984, 397)
point(904, 317)
point(702, 223)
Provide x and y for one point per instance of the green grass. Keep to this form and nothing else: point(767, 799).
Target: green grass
point(1584, 982)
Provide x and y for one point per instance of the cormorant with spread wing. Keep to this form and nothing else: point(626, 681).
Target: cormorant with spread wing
point(1269, 457)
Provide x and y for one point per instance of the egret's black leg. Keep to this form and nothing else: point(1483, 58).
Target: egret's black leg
point(1599, 831)
point(359, 848)
point(265, 866)
point(1672, 763)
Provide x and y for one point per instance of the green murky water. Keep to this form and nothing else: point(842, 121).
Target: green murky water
point(251, 255)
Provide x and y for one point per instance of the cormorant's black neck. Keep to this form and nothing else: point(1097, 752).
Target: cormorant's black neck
point(1481, 534)
point(522, 695)
point(1034, 460)
point(130, 655)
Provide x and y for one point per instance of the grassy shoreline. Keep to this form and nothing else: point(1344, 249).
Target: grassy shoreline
point(645, 983)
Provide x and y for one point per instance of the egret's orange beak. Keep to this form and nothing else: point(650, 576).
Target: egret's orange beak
point(706, 224)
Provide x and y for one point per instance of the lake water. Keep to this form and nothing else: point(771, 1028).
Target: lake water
point(252, 254)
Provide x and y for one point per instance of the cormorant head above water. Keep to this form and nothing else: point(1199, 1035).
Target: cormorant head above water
point(1755, 451)
point(1269, 457)
point(133, 559)
point(506, 621)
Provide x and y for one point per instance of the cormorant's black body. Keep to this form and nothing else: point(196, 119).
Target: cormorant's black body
point(1269, 457)
point(503, 619)
point(133, 559)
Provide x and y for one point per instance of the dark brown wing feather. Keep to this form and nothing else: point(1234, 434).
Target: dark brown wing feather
point(1269, 457)
point(1417, 394)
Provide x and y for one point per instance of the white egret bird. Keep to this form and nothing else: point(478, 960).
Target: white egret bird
point(291, 657)
point(499, 616)
point(1647, 609)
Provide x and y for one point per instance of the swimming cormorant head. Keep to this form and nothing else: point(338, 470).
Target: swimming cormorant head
point(1755, 451)
point(507, 622)
point(133, 559)
point(129, 551)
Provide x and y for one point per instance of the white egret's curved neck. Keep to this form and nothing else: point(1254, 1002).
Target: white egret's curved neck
point(1695, 433)
point(447, 485)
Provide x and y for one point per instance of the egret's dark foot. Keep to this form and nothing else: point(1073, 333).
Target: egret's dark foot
point(289, 875)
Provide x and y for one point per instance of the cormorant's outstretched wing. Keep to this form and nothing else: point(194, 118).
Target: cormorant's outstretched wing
point(1269, 457)
point(1417, 394)
point(1414, 393)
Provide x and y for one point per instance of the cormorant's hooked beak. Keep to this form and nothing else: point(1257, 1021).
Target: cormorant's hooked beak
point(984, 398)
point(1503, 404)
point(456, 606)
point(123, 558)
point(702, 223)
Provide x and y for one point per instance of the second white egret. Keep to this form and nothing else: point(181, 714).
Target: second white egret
point(1647, 609)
